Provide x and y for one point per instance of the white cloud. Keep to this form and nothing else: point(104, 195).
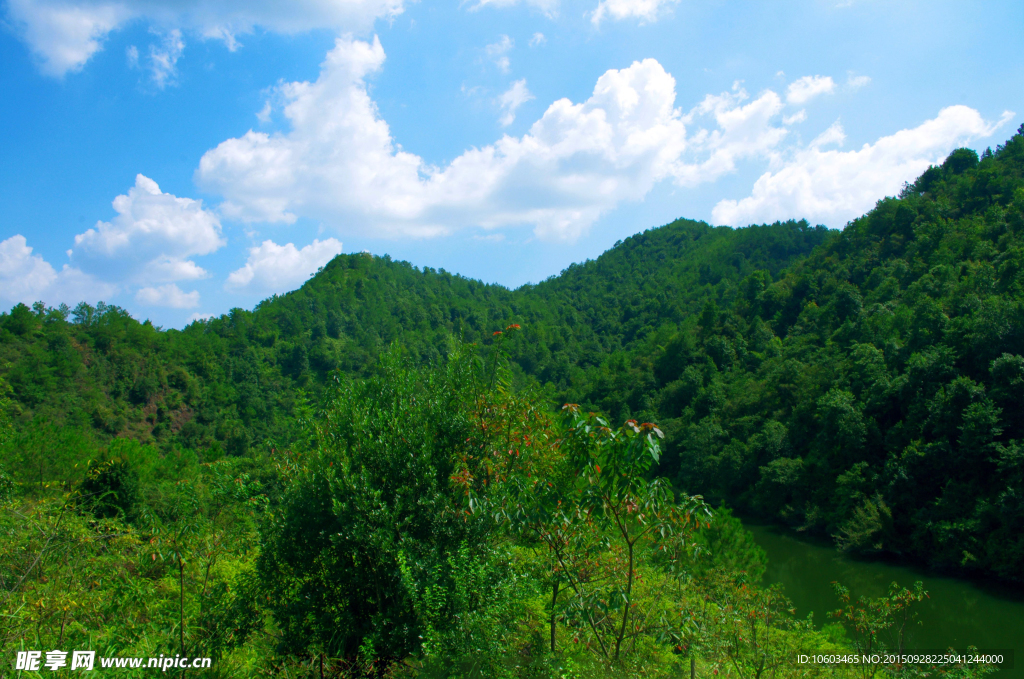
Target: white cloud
point(513, 98)
point(339, 164)
point(832, 186)
point(855, 82)
point(537, 39)
point(798, 117)
point(151, 239)
point(264, 114)
point(499, 52)
point(645, 10)
point(27, 278)
point(803, 90)
point(131, 54)
point(200, 317)
point(278, 268)
point(835, 134)
point(163, 58)
point(169, 295)
point(743, 131)
point(64, 34)
point(149, 243)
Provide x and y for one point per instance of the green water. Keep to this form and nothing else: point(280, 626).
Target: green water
point(958, 613)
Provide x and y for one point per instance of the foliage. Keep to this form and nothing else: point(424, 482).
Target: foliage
point(883, 624)
point(161, 585)
point(868, 392)
point(634, 514)
point(6, 482)
point(724, 544)
point(110, 489)
point(879, 624)
point(373, 552)
point(433, 522)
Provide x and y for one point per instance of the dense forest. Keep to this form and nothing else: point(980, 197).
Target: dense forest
point(872, 392)
point(231, 383)
point(375, 474)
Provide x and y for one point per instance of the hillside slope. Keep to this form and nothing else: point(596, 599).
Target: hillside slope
point(872, 392)
point(224, 385)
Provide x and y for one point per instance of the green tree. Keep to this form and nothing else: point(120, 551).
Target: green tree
point(374, 555)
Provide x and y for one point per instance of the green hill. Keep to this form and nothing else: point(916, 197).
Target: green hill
point(232, 382)
point(863, 384)
point(872, 392)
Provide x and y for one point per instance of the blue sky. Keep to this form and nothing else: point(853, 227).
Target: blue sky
point(180, 158)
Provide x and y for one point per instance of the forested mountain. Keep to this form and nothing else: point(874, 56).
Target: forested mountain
point(863, 384)
point(873, 391)
point(233, 382)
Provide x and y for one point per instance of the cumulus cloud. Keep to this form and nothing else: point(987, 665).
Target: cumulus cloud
point(152, 238)
point(339, 163)
point(537, 39)
point(169, 295)
point(149, 243)
point(27, 278)
point(810, 86)
point(64, 34)
point(832, 186)
point(512, 99)
point(741, 131)
point(646, 11)
point(278, 268)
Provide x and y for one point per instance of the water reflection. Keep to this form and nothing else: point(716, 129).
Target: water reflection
point(957, 613)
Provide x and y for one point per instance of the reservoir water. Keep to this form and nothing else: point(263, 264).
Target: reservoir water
point(957, 613)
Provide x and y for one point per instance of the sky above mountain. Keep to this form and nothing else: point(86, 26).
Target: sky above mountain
point(180, 158)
